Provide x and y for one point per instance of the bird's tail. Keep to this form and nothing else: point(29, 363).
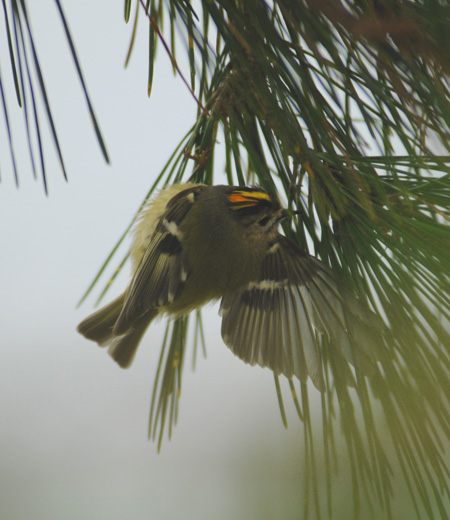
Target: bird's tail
point(99, 327)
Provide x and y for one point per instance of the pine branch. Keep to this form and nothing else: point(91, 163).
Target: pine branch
point(342, 107)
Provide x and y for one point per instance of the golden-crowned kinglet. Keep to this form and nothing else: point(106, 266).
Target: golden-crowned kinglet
point(196, 243)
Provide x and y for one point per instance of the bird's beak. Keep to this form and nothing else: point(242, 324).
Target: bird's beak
point(283, 214)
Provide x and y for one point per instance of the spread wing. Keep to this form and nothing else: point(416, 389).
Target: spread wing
point(164, 268)
point(279, 321)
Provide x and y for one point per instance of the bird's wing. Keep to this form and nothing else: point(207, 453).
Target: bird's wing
point(278, 321)
point(164, 267)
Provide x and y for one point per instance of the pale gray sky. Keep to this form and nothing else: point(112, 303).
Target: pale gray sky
point(73, 427)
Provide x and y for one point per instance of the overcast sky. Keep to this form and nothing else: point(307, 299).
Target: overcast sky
point(73, 430)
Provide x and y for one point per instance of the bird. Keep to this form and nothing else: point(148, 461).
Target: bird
point(197, 243)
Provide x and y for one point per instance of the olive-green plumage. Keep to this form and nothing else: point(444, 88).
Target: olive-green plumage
point(189, 248)
point(197, 243)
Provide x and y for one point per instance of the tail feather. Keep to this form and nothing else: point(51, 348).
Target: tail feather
point(99, 327)
point(123, 348)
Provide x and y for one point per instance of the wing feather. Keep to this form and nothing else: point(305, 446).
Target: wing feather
point(279, 321)
point(164, 268)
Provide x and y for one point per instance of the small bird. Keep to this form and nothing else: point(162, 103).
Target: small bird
point(197, 243)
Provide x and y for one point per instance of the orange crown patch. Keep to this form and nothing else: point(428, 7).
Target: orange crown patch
point(244, 199)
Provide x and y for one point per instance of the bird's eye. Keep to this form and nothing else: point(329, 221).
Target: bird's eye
point(263, 221)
